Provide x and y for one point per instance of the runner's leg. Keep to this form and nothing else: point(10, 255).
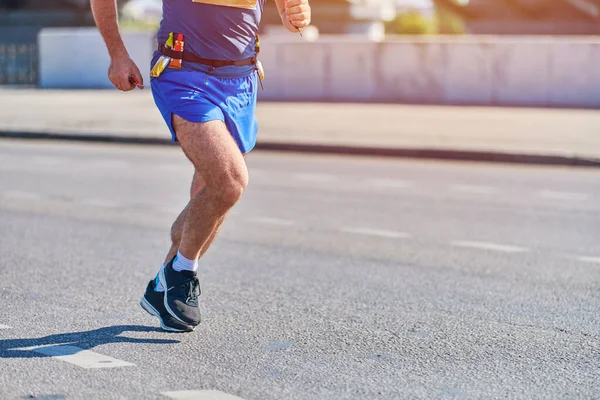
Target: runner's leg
point(220, 163)
point(177, 227)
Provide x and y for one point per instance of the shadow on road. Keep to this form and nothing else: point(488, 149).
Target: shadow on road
point(14, 348)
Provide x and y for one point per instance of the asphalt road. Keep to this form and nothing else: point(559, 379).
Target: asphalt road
point(334, 278)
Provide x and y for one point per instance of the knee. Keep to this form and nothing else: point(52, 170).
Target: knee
point(230, 188)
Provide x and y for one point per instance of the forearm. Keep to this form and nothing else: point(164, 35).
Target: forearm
point(105, 15)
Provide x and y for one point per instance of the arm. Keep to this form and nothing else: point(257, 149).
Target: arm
point(295, 14)
point(121, 64)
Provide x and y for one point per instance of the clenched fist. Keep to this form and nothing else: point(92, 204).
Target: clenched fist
point(119, 71)
point(295, 15)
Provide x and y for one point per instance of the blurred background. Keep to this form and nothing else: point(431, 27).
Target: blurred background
point(22, 20)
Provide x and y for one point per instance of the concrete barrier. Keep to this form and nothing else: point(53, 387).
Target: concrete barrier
point(521, 72)
point(411, 72)
point(350, 74)
point(574, 74)
point(76, 58)
point(302, 75)
point(477, 70)
point(469, 74)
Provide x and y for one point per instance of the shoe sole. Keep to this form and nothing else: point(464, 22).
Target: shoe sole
point(163, 281)
point(152, 311)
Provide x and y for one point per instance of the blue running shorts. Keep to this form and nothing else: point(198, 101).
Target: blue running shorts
point(197, 94)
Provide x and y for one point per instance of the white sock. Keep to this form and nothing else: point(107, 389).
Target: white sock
point(158, 287)
point(181, 263)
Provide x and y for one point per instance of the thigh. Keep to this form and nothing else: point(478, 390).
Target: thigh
point(212, 150)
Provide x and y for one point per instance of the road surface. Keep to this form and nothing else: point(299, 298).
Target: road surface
point(334, 278)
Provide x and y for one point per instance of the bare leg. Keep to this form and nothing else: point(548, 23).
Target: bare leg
point(177, 231)
point(177, 227)
point(222, 178)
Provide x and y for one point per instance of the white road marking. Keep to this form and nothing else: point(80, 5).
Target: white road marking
point(392, 183)
point(200, 395)
point(272, 221)
point(589, 259)
point(551, 194)
point(4, 326)
point(79, 357)
point(18, 195)
point(489, 246)
point(99, 203)
point(474, 189)
point(324, 178)
point(376, 232)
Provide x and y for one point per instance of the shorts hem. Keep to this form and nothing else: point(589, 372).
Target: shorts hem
point(192, 119)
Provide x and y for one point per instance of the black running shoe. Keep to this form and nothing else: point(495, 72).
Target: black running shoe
point(153, 302)
point(181, 294)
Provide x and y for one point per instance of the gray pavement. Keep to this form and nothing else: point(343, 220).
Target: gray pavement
point(334, 278)
point(531, 135)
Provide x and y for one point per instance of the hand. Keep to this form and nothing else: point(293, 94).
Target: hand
point(296, 15)
point(119, 71)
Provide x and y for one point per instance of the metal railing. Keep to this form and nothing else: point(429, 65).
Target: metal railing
point(18, 64)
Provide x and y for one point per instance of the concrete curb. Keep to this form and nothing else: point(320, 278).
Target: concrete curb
point(435, 154)
point(398, 152)
point(99, 138)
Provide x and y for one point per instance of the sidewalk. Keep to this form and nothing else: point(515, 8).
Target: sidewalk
point(547, 136)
